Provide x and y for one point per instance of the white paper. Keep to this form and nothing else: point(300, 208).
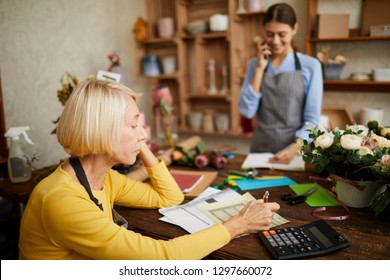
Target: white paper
point(189, 217)
point(260, 160)
point(222, 211)
point(210, 208)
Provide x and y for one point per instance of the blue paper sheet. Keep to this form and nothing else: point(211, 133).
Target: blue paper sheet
point(247, 185)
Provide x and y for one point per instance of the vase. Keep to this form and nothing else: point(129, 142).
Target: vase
point(166, 27)
point(357, 194)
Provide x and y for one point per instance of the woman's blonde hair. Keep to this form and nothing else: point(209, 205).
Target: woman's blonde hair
point(93, 118)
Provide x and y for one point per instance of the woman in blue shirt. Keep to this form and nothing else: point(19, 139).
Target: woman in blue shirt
point(282, 87)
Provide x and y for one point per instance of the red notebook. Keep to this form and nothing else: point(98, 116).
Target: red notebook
point(187, 182)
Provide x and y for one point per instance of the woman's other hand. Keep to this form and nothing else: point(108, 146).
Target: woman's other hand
point(286, 155)
point(254, 217)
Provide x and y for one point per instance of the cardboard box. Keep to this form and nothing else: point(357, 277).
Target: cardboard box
point(338, 116)
point(380, 30)
point(332, 26)
point(375, 12)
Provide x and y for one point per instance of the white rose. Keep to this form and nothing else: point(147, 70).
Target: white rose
point(351, 142)
point(365, 151)
point(356, 127)
point(385, 160)
point(324, 141)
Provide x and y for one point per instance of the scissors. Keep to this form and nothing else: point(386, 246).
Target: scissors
point(295, 199)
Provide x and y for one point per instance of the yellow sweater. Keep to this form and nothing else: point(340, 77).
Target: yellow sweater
point(61, 222)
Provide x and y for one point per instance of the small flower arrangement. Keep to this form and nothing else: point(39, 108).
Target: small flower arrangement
point(162, 104)
point(199, 157)
point(356, 153)
point(68, 83)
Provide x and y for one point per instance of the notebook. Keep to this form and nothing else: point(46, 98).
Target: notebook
point(207, 178)
point(187, 182)
point(260, 160)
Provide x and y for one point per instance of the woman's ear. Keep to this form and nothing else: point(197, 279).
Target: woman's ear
point(295, 29)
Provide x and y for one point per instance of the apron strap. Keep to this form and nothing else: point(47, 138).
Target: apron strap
point(298, 66)
point(80, 173)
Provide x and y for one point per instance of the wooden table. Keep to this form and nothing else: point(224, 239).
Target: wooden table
point(368, 235)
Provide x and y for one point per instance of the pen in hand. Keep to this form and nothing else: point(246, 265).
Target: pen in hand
point(265, 196)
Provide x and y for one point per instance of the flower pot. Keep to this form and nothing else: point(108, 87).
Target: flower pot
point(350, 194)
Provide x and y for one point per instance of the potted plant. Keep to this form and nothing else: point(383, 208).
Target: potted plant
point(357, 159)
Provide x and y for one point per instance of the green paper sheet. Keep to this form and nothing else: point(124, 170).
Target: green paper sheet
point(317, 199)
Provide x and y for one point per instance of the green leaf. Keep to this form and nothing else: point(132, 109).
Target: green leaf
point(381, 202)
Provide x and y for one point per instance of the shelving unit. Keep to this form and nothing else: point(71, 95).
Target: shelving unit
point(189, 85)
point(341, 85)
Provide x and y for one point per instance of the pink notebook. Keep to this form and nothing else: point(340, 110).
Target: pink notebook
point(187, 182)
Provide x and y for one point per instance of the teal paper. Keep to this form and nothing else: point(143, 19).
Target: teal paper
point(247, 185)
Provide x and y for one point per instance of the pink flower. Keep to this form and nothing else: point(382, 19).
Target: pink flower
point(162, 93)
point(201, 161)
point(219, 161)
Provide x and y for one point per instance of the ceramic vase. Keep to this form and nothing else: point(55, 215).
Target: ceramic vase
point(357, 194)
point(166, 28)
point(195, 120)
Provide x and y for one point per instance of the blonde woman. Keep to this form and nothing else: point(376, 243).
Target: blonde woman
point(69, 214)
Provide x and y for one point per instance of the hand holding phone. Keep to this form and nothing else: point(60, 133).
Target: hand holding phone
point(263, 52)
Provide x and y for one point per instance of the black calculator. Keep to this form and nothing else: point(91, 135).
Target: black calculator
point(310, 240)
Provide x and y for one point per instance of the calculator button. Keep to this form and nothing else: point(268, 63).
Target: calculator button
point(279, 241)
point(282, 251)
point(272, 232)
point(265, 233)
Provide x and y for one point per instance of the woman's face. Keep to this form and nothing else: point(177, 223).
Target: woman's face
point(278, 36)
point(133, 134)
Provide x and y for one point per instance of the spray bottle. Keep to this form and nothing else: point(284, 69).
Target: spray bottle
point(19, 164)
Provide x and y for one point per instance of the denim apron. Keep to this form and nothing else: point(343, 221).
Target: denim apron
point(280, 113)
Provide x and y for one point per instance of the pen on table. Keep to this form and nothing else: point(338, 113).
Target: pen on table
point(265, 196)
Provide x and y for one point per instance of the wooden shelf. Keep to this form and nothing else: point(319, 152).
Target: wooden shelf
point(194, 52)
point(221, 134)
point(364, 86)
point(341, 85)
point(225, 97)
point(156, 40)
point(356, 38)
point(164, 76)
point(213, 35)
point(248, 13)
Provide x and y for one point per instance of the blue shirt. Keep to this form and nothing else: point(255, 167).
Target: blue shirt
point(311, 69)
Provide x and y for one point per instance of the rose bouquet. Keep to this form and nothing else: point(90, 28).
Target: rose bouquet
point(358, 153)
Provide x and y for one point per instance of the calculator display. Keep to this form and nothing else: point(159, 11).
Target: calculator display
point(320, 236)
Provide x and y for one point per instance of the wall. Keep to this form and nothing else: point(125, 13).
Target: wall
point(42, 39)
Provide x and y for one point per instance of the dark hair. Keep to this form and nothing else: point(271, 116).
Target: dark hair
point(280, 12)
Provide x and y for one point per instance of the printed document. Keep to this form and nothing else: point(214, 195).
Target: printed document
point(210, 209)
